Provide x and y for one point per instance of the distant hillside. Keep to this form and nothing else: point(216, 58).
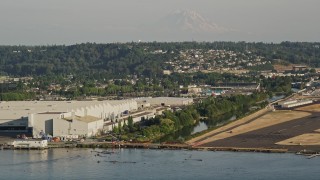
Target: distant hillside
point(119, 60)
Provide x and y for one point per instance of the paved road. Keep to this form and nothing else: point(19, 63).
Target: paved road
point(267, 137)
point(228, 129)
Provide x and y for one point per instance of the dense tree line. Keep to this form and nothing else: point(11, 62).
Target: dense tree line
point(212, 108)
point(154, 128)
point(167, 86)
point(278, 85)
point(215, 107)
point(16, 96)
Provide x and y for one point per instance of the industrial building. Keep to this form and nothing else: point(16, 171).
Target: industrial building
point(77, 118)
point(136, 117)
point(60, 118)
point(294, 103)
point(166, 101)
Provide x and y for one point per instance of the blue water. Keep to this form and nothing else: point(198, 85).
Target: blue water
point(200, 127)
point(154, 164)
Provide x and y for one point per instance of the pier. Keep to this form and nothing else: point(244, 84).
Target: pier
point(134, 145)
point(178, 147)
point(237, 149)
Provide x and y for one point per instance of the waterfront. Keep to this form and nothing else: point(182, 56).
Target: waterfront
point(153, 164)
point(199, 127)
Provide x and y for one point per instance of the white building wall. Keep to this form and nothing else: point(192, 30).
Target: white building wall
point(173, 101)
point(95, 127)
point(60, 127)
point(79, 128)
point(30, 120)
point(287, 102)
point(148, 116)
point(298, 104)
point(135, 119)
point(104, 110)
point(43, 122)
point(76, 127)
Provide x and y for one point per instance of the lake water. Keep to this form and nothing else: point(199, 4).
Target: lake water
point(208, 123)
point(154, 164)
point(201, 126)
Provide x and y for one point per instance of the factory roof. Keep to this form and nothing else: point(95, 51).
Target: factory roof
point(18, 109)
point(86, 119)
point(166, 100)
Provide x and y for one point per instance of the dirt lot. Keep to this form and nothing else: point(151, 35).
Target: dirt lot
point(282, 68)
point(304, 139)
point(228, 127)
point(267, 130)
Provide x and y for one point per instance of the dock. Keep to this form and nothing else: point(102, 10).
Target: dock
point(133, 145)
point(238, 149)
point(30, 144)
point(178, 147)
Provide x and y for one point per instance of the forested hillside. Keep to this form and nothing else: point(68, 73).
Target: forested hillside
point(120, 59)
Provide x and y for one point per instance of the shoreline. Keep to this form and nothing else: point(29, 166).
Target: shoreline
point(228, 126)
point(202, 138)
point(201, 142)
point(107, 145)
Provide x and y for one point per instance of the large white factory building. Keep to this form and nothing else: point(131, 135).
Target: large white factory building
point(79, 118)
point(60, 118)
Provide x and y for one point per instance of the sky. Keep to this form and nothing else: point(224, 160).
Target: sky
point(48, 22)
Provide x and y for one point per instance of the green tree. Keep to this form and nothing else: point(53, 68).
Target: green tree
point(167, 126)
point(130, 123)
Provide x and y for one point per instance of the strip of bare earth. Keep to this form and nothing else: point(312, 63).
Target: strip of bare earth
point(267, 130)
point(203, 138)
point(229, 127)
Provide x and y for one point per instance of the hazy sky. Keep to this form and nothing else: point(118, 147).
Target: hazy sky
point(42, 22)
